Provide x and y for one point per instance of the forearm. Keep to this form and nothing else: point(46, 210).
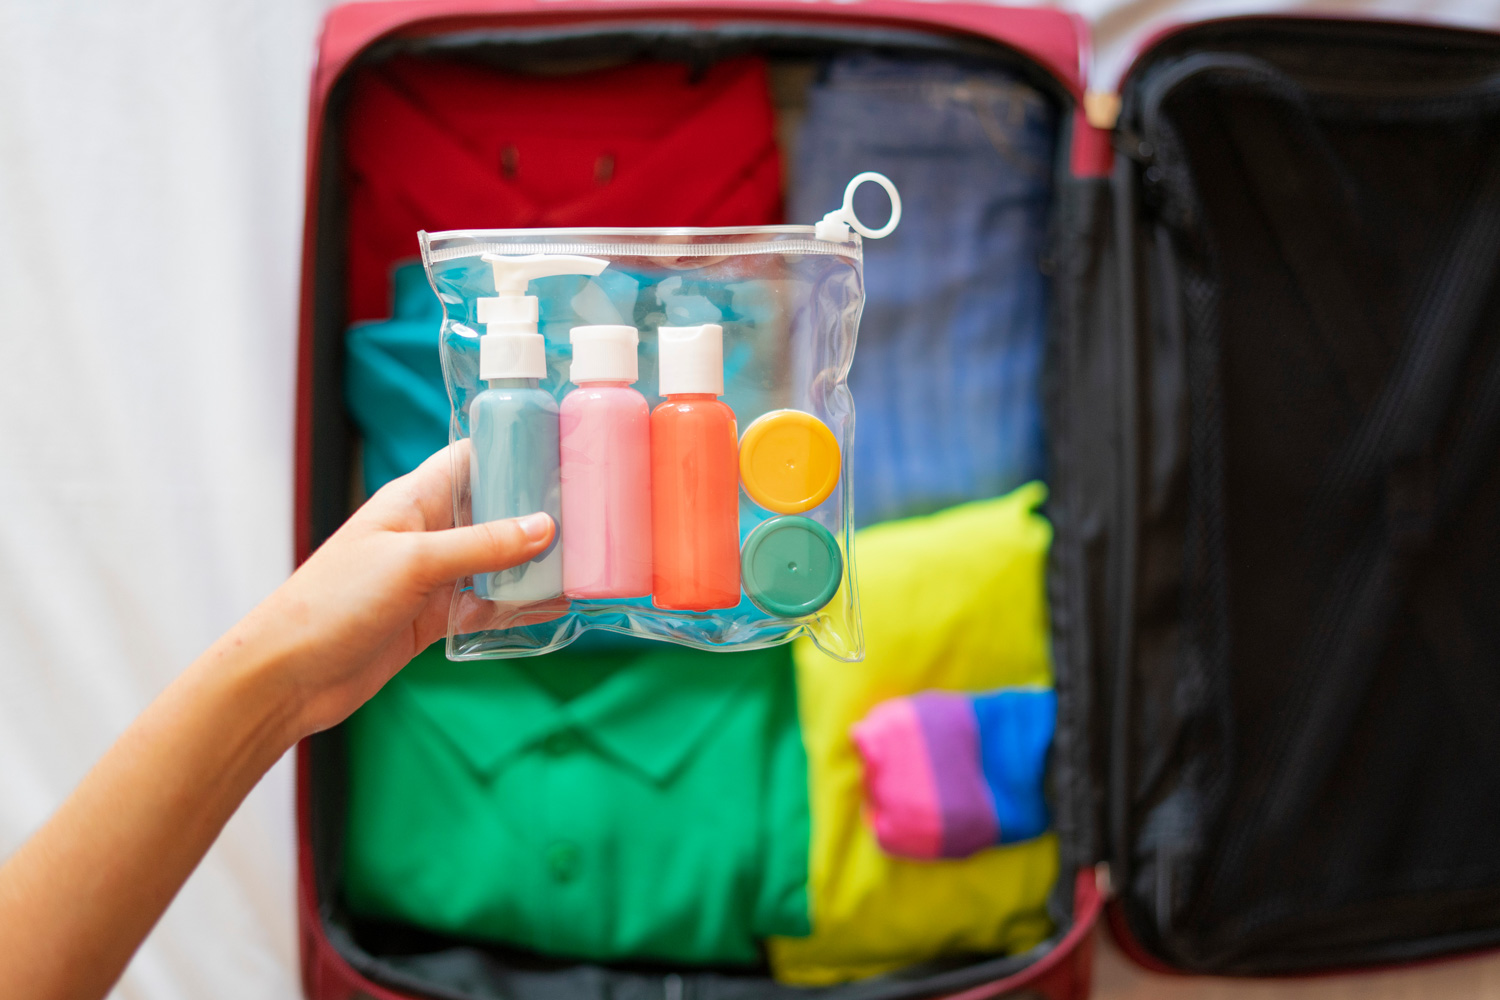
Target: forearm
point(78, 897)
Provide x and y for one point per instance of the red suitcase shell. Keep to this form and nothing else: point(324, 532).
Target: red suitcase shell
point(1101, 166)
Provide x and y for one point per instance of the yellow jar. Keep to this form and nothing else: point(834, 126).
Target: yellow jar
point(789, 461)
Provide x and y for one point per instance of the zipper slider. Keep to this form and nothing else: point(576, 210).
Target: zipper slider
point(1103, 881)
point(1101, 109)
point(835, 226)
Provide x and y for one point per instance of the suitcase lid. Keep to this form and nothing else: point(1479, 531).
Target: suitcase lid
point(1315, 808)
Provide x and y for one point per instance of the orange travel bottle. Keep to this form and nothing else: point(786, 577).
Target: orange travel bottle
point(695, 502)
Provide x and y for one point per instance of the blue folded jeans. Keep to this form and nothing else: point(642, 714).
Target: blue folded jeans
point(947, 375)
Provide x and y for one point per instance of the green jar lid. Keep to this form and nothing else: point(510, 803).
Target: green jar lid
point(791, 566)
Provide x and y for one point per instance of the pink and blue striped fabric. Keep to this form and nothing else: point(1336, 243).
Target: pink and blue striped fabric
point(949, 774)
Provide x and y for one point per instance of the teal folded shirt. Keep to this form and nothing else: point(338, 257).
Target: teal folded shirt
point(393, 382)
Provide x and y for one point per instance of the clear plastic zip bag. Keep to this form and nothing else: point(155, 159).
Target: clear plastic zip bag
point(676, 400)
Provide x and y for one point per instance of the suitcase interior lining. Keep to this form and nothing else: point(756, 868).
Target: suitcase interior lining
point(409, 958)
point(1306, 766)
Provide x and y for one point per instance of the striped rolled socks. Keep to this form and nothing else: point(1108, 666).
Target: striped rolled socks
point(948, 774)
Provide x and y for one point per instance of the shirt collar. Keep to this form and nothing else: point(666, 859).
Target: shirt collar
point(649, 712)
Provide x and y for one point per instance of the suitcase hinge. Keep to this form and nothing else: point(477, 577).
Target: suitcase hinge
point(1135, 147)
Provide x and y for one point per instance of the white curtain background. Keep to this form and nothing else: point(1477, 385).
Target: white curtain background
point(151, 159)
point(151, 183)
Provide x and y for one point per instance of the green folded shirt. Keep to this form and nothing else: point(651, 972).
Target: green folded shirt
point(647, 803)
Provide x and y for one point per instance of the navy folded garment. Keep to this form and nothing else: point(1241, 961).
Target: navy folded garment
point(947, 375)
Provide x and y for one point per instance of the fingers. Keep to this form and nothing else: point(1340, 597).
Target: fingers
point(482, 548)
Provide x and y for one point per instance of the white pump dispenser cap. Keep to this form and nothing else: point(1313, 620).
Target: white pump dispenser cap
point(511, 346)
point(604, 354)
point(691, 359)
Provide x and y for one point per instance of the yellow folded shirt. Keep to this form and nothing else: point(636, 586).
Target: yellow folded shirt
point(952, 601)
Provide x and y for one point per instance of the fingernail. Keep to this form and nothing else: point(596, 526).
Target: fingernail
point(534, 526)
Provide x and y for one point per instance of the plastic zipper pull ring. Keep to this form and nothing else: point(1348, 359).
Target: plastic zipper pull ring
point(836, 224)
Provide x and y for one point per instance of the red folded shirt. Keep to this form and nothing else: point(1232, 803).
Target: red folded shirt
point(446, 145)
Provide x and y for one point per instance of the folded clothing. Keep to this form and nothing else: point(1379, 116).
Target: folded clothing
point(393, 382)
point(442, 144)
point(947, 775)
point(948, 371)
point(954, 601)
point(608, 805)
point(573, 804)
point(439, 144)
point(608, 750)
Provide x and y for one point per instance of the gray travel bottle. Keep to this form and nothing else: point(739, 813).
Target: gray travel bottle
point(513, 430)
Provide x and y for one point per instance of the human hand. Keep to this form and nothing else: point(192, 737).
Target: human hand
point(78, 897)
point(375, 594)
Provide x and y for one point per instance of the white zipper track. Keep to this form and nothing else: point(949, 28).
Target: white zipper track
point(813, 247)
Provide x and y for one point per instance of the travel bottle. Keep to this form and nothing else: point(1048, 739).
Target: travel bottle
point(513, 432)
point(605, 428)
point(694, 476)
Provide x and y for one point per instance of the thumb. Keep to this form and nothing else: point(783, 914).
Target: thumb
point(484, 548)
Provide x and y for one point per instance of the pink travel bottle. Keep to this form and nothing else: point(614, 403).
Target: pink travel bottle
point(605, 440)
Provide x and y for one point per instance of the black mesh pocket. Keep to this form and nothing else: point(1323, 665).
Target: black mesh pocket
point(1318, 779)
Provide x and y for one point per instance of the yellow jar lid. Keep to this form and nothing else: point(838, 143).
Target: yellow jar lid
point(789, 461)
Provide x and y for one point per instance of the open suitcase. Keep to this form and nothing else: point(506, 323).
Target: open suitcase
point(1273, 385)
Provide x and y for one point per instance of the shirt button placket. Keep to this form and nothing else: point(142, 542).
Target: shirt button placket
point(560, 743)
point(563, 860)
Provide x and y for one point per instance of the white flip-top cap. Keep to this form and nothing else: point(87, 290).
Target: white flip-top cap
point(603, 354)
point(691, 359)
